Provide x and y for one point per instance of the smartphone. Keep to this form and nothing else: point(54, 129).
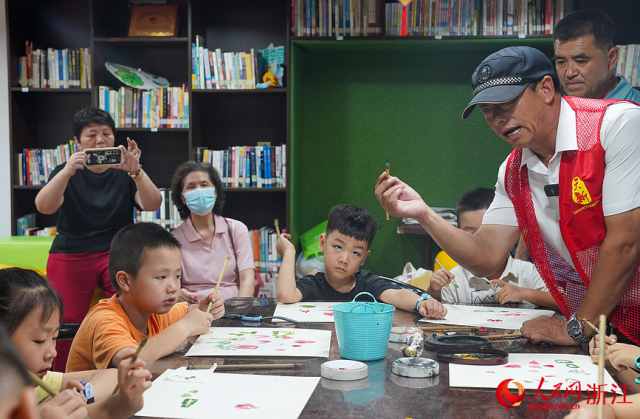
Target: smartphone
point(108, 156)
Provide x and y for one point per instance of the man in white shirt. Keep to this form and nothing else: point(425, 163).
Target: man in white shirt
point(591, 267)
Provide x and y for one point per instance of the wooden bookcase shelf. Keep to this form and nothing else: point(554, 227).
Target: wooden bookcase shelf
point(42, 118)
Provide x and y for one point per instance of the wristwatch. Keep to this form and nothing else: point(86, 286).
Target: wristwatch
point(423, 297)
point(575, 329)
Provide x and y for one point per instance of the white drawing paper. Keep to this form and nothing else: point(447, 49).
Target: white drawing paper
point(527, 369)
point(252, 341)
point(313, 312)
point(185, 375)
point(229, 396)
point(496, 317)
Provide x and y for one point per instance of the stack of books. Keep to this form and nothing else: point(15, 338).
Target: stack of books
point(68, 68)
point(26, 226)
point(336, 18)
point(265, 257)
point(167, 215)
point(36, 164)
point(155, 108)
point(627, 65)
point(248, 166)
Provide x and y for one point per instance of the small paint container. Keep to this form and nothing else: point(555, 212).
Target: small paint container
point(344, 370)
point(415, 367)
point(400, 334)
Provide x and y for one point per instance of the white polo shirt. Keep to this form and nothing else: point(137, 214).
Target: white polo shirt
point(476, 290)
point(620, 138)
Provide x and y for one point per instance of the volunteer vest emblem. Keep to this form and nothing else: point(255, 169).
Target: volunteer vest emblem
point(581, 195)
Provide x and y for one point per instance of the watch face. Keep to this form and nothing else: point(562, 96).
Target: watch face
point(574, 327)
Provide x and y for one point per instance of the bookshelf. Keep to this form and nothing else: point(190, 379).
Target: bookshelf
point(42, 118)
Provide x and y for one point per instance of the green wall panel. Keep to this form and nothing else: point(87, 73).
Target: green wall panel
point(355, 104)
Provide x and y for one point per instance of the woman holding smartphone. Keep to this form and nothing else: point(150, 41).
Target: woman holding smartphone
point(207, 238)
point(94, 202)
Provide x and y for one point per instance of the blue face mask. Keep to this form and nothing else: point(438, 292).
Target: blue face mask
point(200, 200)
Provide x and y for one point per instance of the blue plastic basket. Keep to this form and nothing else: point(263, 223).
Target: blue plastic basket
point(363, 328)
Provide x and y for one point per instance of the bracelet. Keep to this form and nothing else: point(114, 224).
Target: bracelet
point(135, 175)
point(637, 380)
point(423, 297)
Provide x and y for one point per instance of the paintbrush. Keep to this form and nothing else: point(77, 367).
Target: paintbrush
point(438, 328)
point(251, 366)
point(134, 358)
point(512, 335)
point(277, 224)
point(606, 343)
point(451, 279)
point(602, 336)
point(38, 381)
point(224, 268)
point(45, 386)
point(387, 174)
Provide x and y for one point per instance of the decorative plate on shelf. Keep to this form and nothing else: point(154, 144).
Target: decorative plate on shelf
point(135, 77)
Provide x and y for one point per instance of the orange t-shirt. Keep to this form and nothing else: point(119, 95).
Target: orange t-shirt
point(106, 329)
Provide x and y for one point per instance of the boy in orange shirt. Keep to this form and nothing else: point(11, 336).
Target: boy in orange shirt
point(144, 268)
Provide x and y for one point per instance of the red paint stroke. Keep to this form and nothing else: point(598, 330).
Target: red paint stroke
point(549, 375)
point(534, 362)
point(245, 346)
point(550, 366)
point(261, 336)
point(264, 341)
point(287, 337)
point(494, 320)
point(490, 372)
point(513, 366)
point(245, 406)
point(305, 311)
point(515, 315)
point(297, 346)
point(305, 341)
point(280, 349)
point(328, 314)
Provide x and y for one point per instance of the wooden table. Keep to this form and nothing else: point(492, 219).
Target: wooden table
point(383, 394)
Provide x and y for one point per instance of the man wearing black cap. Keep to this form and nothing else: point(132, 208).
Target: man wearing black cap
point(572, 186)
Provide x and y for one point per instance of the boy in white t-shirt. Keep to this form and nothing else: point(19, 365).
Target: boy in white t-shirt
point(514, 281)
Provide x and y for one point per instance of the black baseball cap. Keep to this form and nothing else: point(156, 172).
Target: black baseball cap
point(503, 75)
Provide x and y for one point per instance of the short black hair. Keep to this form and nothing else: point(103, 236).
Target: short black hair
point(177, 184)
point(474, 200)
point(353, 222)
point(23, 291)
point(587, 22)
point(14, 375)
point(128, 247)
point(91, 115)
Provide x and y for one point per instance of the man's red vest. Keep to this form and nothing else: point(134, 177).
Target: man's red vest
point(581, 222)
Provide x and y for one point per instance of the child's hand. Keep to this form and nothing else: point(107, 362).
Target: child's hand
point(187, 296)
point(440, 278)
point(594, 347)
point(133, 380)
point(508, 292)
point(283, 245)
point(68, 404)
point(623, 356)
point(432, 309)
point(196, 321)
point(75, 385)
point(217, 308)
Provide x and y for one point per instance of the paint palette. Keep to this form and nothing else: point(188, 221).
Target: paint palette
point(475, 357)
point(457, 342)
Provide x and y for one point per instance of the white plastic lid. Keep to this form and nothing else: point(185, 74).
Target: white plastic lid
point(344, 370)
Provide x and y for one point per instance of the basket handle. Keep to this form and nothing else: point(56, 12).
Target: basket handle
point(366, 293)
point(366, 303)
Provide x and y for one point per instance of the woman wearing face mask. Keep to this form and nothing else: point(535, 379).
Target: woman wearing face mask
point(207, 238)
